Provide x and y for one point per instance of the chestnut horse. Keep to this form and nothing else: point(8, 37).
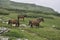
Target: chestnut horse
point(21, 16)
point(35, 22)
point(13, 21)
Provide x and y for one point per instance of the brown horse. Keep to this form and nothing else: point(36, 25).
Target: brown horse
point(22, 16)
point(13, 21)
point(35, 22)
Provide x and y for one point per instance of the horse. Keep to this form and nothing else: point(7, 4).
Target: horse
point(22, 16)
point(35, 22)
point(13, 21)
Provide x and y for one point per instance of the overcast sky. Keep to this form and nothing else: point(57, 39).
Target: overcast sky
point(55, 4)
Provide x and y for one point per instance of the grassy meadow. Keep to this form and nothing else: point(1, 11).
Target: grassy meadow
point(48, 30)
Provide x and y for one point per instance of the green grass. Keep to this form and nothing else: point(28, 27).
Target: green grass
point(48, 33)
point(45, 32)
point(14, 33)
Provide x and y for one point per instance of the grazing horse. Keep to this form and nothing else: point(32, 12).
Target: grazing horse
point(13, 21)
point(22, 16)
point(35, 22)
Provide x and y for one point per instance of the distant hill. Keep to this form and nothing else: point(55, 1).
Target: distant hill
point(24, 6)
point(32, 7)
point(4, 3)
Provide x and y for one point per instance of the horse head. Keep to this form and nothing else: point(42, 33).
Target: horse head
point(25, 15)
point(40, 19)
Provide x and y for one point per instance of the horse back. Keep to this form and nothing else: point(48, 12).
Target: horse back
point(21, 16)
point(13, 21)
point(34, 22)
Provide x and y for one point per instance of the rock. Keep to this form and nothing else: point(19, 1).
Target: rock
point(19, 39)
point(0, 19)
point(6, 22)
point(3, 22)
point(22, 30)
point(23, 25)
point(13, 25)
point(53, 26)
point(3, 30)
point(25, 39)
point(4, 38)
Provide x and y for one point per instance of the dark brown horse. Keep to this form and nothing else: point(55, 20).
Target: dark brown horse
point(13, 21)
point(35, 22)
point(22, 16)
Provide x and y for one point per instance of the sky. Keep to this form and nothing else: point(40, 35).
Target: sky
point(55, 4)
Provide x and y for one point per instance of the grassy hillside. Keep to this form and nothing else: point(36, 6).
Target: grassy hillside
point(4, 3)
point(48, 30)
point(31, 7)
point(24, 6)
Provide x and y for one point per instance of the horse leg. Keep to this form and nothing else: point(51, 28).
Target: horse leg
point(31, 26)
point(17, 25)
point(37, 25)
point(10, 24)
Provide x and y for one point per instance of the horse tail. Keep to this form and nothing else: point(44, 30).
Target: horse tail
point(9, 21)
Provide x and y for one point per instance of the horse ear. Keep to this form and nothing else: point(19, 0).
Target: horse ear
point(43, 19)
point(25, 15)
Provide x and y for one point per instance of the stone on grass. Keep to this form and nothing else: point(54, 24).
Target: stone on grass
point(53, 26)
point(6, 38)
point(13, 25)
point(25, 39)
point(3, 30)
point(23, 25)
point(19, 39)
